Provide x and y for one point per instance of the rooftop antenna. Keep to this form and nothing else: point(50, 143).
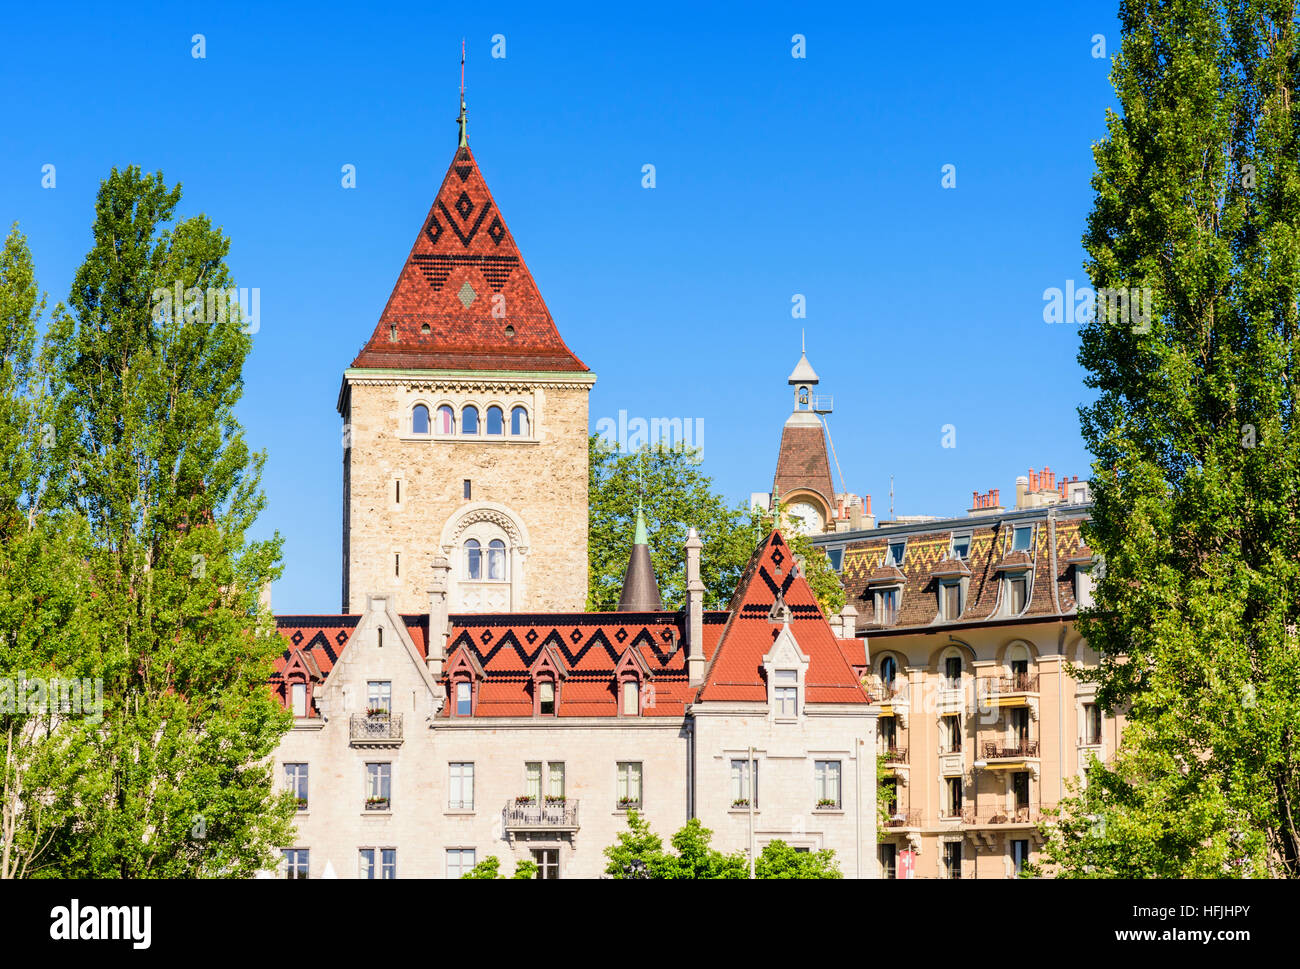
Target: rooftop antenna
point(891, 497)
point(464, 135)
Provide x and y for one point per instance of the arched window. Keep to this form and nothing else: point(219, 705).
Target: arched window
point(420, 419)
point(469, 420)
point(952, 671)
point(888, 672)
point(473, 559)
point(519, 422)
point(497, 560)
point(446, 423)
point(495, 421)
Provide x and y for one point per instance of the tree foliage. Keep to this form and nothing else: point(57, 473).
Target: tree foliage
point(1197, 461)
point(678, 496)
point(490, 868)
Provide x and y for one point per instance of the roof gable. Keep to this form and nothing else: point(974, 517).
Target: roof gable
point(466, 281)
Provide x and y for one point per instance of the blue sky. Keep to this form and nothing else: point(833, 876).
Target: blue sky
point(775, 176)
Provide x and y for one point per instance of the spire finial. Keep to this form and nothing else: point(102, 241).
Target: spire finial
point(462, 121)
point(803, 342)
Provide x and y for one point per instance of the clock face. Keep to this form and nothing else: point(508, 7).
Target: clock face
point(805, 518)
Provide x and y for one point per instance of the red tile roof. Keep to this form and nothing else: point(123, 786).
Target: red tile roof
point(736, 668)
point(466, 281)
point(803, 462)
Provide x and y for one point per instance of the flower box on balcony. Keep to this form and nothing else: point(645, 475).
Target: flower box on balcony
point(827, 804)
point(628, 802)
point(740, 802)
point(376, 712)
point(554, 798)
point(525, 799)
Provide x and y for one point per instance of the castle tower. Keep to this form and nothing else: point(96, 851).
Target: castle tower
point(465, 424)
point(803, 468)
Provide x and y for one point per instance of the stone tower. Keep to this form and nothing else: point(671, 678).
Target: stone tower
point(803, 469)
point(465, 426)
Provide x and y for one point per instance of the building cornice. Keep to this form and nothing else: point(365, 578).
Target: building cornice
point(462, 380)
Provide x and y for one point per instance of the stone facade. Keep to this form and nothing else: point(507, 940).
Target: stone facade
point(404, 493)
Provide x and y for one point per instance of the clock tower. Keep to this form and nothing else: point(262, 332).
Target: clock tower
point(803, 469)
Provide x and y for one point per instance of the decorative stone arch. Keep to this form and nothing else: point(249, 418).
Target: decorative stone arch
point(485, 520)
point(1078, 651)
point(935, 664)
point(1007, 651)
point(812, 497)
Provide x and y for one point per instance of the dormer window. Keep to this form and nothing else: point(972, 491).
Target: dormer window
point(887, 606)
point(463, 674)
point(960, 547)
point(1021, 538)
point(896, 551)
point(631, 698)
point(298, 698)
point(1017, 593)
point(464, 698)
point(546, 698)
point(950, 599)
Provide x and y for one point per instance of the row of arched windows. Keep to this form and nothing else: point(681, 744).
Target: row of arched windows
point(494, 559)
point(444, 421)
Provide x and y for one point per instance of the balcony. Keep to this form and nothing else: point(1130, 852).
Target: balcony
point(1002, 754)
point(894, 754)
point(375, 730)
point(904, 819)
point(523, 818)
point(1014, 690)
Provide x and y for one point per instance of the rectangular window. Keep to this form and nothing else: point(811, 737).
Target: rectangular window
point(740, 785)
point(1019, 724)
point(888, 731)
point(949, 735)
point(464, 698)
point(295, 776)
point(388, 862)
point(896, 551)
point(1021, 537)
point(397, 491)
point(952, 859)
point(379, 778)
point(836, 556)
point(961, 547)
point(826, 774)
point(461, 788)
point(546, 699)
point(460, 861)
point(467, 489)
point(787, 693)
point(952, 672)
point(889, 860)
point(379, 697)
point(1020, 789)
point(952, 797)
point(548, 862)
point(533, 780)
point(1017, 593)
point(629, 785)
point(951, 600)
point(1019, 855)
point(297, 862)
point(631, 698)
point(555, 779)
point(1091, 724)
point(887, 606)
point(397, 563)
point(298, 697)
point(366, 863)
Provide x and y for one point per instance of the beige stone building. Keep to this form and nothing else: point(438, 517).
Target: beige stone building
point(462, 706)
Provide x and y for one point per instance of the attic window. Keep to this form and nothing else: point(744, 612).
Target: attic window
point(392, 332)
point(887, 606)
point(836, 557)
point(510, 331)
point(546, 699)
point(1020, 539)
point(896, 550)
point(424, 328)
point(961, 547)
point(1017, 593)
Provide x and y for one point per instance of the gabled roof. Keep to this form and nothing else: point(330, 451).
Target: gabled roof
point(466, 280)
point(736, 670)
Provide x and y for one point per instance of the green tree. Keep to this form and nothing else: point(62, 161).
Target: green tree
point(155, 463)
point(1197, 465)
point(525, 868)
point(638, 853)
point(44, 641)
point(677, 496)
point(780, 860)
point(490, 868)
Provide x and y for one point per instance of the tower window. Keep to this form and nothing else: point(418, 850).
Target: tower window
point(397, 563)
point(519, 422)
point(495, 420)
point(497, 560)
point(474, 559)
point(467, 489)
point(419, 419)
point(446, 420)
point(469, 419)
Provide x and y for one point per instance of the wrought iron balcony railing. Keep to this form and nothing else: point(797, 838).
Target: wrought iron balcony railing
point(904, 819)
point(996, 750)
point(544, 816)
point(895, 755)
point(371, 730)
point(1006, 685)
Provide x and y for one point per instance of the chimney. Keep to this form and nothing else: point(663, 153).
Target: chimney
point(437, 647)
point(694, 610)
point(1022, 486)
point(848, 621)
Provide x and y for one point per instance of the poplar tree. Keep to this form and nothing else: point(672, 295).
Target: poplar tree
point(156, 465)
point(1197, 463)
